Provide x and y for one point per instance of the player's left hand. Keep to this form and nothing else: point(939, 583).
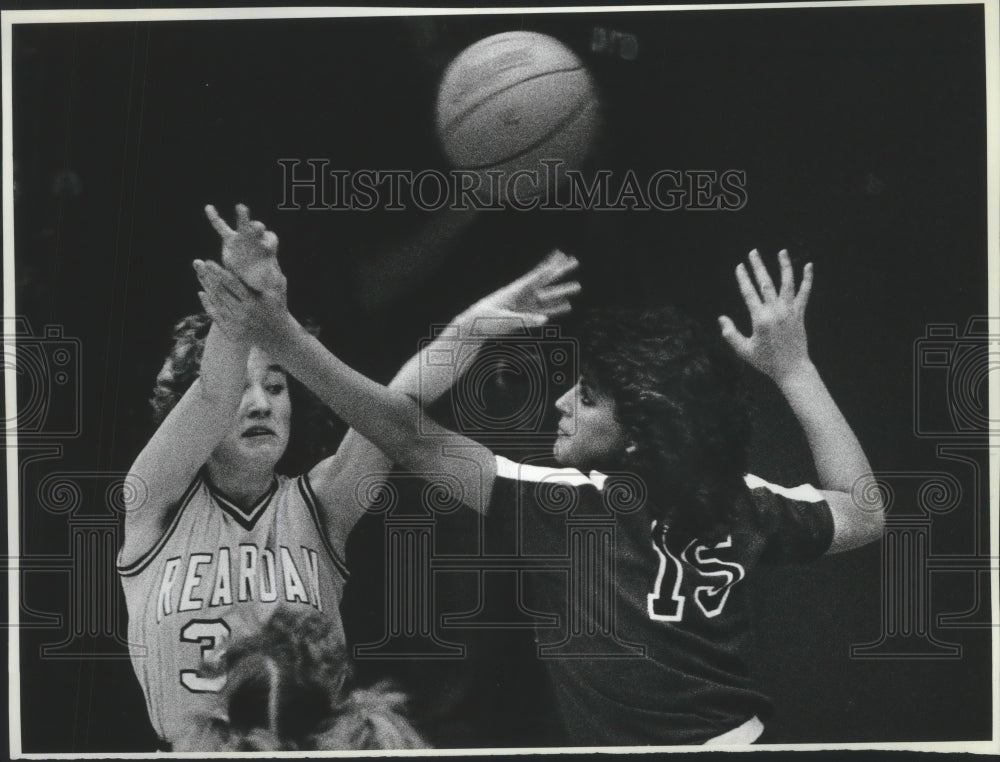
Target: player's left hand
point(777, 345)
point(529, 301)
point(241, 312)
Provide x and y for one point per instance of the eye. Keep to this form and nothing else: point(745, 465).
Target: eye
point(275, 388)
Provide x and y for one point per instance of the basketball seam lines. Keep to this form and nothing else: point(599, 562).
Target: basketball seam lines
point(461, 116)
point(577, 110)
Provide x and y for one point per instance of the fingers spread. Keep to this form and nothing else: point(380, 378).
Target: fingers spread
point(537, 276)
point(218, 223)
point(554, 309)
point(802, 298)
point(733, 337)
point(787, 276)
point(551, 269)
point(561, 265)
point(242, 217)
point(559, 292)
point(554, 258)
point(750, 296)
point(762, 276)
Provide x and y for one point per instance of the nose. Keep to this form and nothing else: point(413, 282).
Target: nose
point(258, 402)
point(565, 403)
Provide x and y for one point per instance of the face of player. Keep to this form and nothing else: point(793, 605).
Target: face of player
point(263, 421)
point(590, 436)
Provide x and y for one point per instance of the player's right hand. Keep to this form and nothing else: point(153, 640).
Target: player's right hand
point(531, 300)
point(250, 251)
point(777, 345)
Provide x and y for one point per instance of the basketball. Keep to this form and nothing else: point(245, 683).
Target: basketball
point(512, 100)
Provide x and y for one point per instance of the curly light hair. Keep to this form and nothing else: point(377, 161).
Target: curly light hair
point(676, 392)
point(289, 687)
point(310, 441)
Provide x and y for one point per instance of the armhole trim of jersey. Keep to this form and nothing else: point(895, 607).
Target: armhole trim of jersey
point(526, 472)
point(804, 493)
point(312, 505)
point(137, 566)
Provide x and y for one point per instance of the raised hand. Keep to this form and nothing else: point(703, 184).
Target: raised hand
point(777, 345)
point(530, 300)
point(242, 313)
point(250, 251)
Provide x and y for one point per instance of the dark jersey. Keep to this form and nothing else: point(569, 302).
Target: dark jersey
point(648, 629)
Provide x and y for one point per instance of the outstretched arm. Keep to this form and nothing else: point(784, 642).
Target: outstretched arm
point(531, 300)
point(528, 302)
point(199, 421)
point(778, 348)
point(388, 418)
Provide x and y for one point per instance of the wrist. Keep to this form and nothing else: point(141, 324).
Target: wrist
point(796, 375)
point(280, 333)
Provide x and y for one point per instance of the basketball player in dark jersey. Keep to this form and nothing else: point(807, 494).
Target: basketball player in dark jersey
point(656, 625)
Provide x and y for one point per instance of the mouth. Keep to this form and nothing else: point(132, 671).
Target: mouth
point(562, 432)
point(258, 431)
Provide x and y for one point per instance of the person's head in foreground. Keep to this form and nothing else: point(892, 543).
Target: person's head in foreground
point(288, 687)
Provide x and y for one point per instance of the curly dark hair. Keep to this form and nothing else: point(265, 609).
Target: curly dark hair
point(677, 393)
point(289, 687)
point(310, 440)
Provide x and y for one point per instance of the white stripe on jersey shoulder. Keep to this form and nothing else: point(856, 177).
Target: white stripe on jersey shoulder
point(139, 564)
point(805, 493)
point(525, 472)
point(313, 506)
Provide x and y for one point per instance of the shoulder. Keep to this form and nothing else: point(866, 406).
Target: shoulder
point(192, 502)
point(796, 521)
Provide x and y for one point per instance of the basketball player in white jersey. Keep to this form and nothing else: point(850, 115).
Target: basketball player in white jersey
point(215, 540)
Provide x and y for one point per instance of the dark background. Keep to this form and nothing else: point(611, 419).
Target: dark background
point(862, 135)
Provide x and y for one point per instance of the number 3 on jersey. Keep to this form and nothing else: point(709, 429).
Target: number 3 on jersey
point(715, 577)
point(212, 635)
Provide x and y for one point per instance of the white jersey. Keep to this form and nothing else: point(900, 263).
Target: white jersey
point(220, 572)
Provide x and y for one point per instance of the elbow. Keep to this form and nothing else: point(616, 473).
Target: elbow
point(870, 501)
point(876, 526)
